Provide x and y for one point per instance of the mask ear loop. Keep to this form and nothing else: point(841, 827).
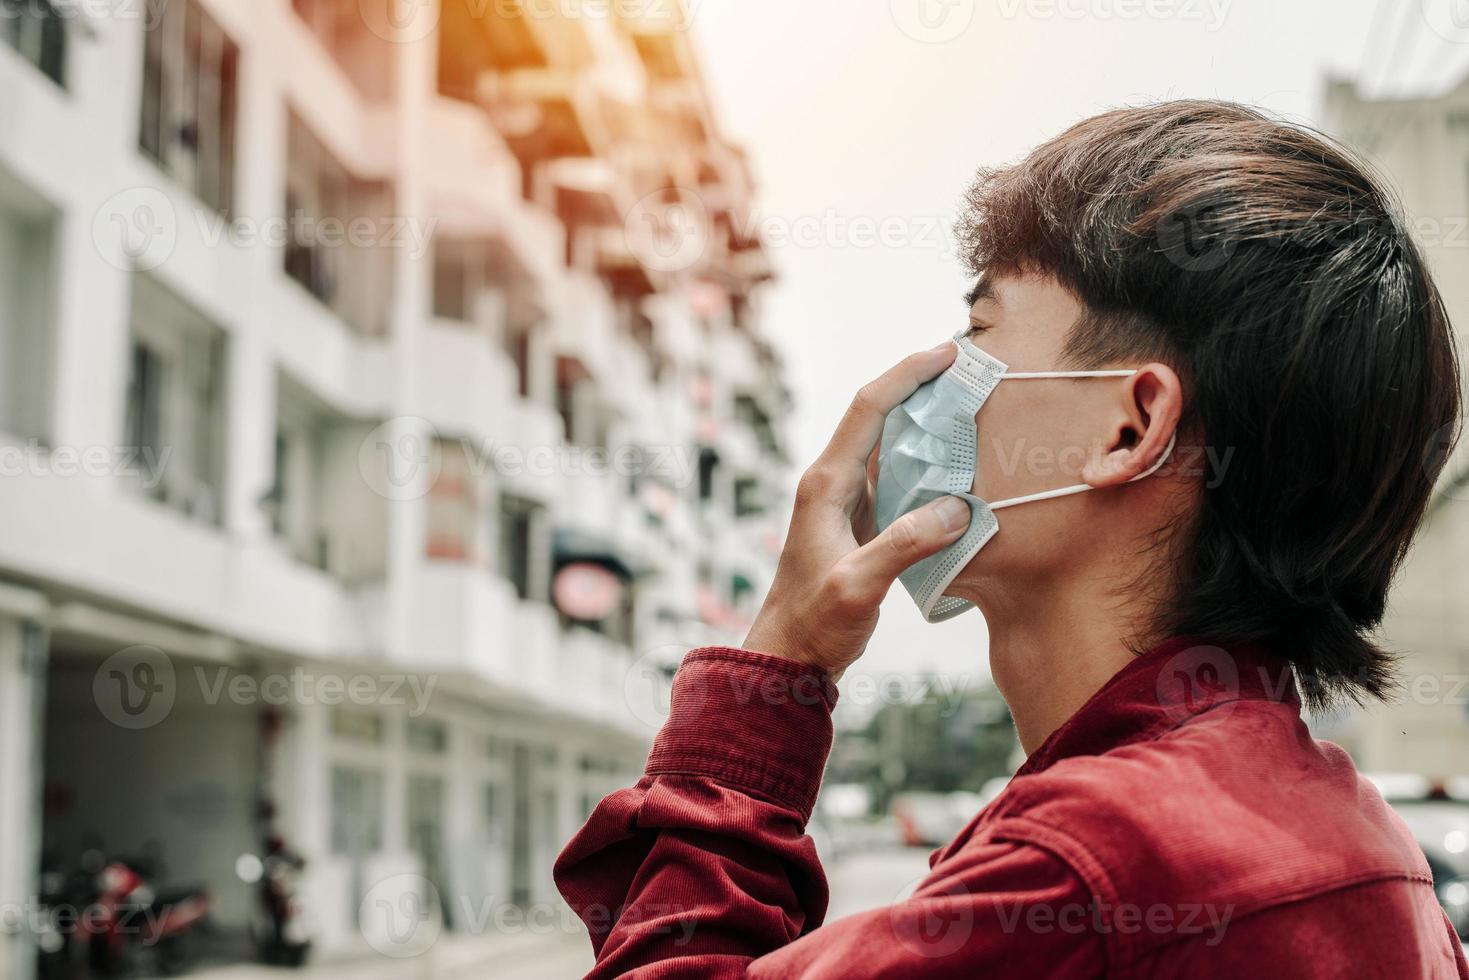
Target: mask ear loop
point(1083, 487)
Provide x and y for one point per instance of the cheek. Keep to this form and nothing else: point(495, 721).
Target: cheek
point(1027, 442)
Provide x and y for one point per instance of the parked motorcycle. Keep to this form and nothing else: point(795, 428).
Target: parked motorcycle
point(134, 928)
point(284, 928)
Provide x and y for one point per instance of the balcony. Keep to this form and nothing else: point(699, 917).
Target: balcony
point(98, 538)
point(465, 382)
point(463, 618)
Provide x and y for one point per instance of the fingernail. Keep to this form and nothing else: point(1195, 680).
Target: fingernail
point(953, 511)
point(943, 346)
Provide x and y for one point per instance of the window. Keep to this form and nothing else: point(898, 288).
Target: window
point(338, 226)
point(190, 71)
point(708, 468)
point(517, 346)
point(357, 726)
point(522, 524)
point(357, 811)
point(456, 505)
point(451, 283)
point(748, 411)
point(493, 818)
point(295, 504)
point(427, 737)
point(174, 410)
point(749, 497)
point(586, 420)
point(37, 29)
point(319, 506)
point(27, 265)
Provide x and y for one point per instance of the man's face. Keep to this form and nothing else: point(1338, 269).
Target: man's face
point(1036, 434)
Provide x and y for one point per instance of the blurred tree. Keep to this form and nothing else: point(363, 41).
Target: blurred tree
point(936, 743)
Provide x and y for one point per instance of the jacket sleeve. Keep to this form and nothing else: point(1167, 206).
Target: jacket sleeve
point(703, 869)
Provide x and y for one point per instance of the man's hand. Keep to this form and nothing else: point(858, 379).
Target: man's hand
point(835, 569)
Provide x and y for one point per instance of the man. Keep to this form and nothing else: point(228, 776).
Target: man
point(1189, 282)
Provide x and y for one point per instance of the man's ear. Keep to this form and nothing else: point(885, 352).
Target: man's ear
point(1148, 408)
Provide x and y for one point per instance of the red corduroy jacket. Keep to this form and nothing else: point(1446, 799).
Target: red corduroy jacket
point(1182, 823)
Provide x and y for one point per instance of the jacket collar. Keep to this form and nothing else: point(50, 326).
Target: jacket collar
point(1162, 689)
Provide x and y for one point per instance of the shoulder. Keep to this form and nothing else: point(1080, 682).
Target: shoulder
point(1238, 810)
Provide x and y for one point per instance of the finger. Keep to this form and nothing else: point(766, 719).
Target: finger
point(866, 574)
point(864, 524)
point(861, 426)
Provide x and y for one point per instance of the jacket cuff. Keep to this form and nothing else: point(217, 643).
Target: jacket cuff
point(749, 720)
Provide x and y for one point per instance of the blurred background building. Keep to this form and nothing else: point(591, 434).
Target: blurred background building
point(1407, 112)
point(339, 347)
point(385, 408)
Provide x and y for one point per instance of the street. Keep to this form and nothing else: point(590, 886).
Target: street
point(859, 881)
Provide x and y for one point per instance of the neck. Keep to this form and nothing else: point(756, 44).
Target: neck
point(1054, 647)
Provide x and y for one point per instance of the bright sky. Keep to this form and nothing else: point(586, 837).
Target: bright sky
point(851, 118)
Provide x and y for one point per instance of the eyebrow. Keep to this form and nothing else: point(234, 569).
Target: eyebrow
point(983, 289)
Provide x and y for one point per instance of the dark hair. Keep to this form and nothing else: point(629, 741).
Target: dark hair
point(1266, 264)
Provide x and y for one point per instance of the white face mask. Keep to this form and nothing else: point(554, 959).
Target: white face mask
point(929, 450)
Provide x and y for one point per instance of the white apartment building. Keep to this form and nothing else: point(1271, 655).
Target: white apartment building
point(383, 412)
point(1416, 132)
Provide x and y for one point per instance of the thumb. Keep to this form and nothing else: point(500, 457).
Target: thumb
point(909, 539)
